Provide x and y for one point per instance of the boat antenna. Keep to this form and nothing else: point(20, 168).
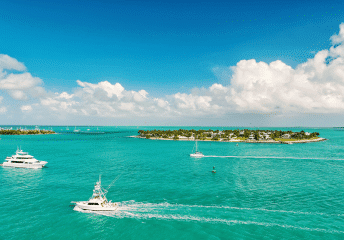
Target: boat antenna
point(116, 179)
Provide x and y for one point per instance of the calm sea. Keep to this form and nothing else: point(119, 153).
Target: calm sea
point(263, 191)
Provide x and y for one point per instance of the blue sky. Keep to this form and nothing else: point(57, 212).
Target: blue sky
point(162, 47)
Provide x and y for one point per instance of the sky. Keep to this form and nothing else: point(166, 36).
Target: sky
point(172, 63)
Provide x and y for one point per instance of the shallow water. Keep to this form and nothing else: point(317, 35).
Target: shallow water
point(260, 191)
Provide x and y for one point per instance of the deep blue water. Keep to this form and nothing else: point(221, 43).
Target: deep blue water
point(272, 193)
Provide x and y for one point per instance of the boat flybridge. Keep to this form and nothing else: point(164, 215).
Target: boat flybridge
point(98, 201)
point(23, 160)
point(197, 153)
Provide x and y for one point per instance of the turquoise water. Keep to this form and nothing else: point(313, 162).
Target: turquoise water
point(272, 193)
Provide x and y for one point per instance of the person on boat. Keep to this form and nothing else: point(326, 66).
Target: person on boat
point(214, 170)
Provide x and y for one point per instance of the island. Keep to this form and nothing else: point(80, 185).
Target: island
point(245, 135)
point(24, 131)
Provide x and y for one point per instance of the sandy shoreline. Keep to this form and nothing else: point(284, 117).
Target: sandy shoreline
point(238, 140)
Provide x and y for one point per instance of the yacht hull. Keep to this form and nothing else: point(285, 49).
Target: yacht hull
point(24, 165)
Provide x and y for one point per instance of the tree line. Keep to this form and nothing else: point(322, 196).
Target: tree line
point(224, 134)
point(24, 132)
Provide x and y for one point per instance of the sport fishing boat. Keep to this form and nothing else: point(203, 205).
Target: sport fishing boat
point(98, 201)
point(23, 160)
point(197, 153)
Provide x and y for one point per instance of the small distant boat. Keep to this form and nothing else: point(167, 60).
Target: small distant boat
point(197, 153)
point(98, 201)
point(90, 131)
point(23, 160)
point(76, 130)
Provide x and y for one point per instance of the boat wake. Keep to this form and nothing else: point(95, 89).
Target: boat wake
point(212, 214)
point(273, 157)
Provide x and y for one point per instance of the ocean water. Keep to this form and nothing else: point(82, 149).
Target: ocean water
point(263, 191)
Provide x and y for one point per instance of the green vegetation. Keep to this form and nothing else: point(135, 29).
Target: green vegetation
point(228, 135)
point(24, 132)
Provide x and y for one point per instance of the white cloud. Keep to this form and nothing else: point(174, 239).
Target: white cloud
point(3, 110)
point(19, 81)
point(7, 62)
point(17, 95)
point(314, 86)
point(337, 39)
point(26, 108)
point(110, 89)
point(103, 99)
point(20, 86)
point(65, 95)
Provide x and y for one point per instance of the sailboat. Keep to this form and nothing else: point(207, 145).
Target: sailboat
point(76, 130)
point(197, 153)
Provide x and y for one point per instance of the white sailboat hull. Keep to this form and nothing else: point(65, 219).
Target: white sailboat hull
point(196, 155)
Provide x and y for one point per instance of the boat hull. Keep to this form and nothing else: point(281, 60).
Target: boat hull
point(196, 155)
point(106, 207)
point(25, 165)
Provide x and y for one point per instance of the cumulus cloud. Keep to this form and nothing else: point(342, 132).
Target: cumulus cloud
point(20, 86)
point(26, 108)
point(104, 99)
point(3, 110)
point(338, 39)
point(316, 85)
point(7, 62)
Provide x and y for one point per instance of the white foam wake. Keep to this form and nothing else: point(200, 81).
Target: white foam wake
point(275, 157)
point(166, 211)
point(132, 205)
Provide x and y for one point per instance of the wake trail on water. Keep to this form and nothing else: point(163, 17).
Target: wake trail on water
point(273, 157)
point(193, 213)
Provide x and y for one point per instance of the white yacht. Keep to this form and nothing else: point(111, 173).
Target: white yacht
point(197, 153)
point(23, 160)
point(98, 201)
